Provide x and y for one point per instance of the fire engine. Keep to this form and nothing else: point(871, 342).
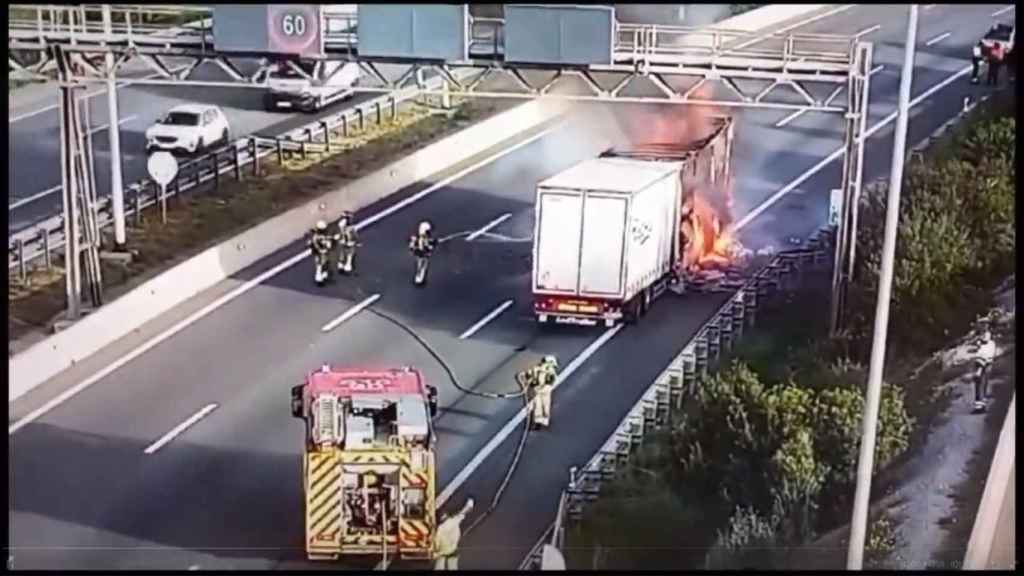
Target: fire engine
point(369, 462)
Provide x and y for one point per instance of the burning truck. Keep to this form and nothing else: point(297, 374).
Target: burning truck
point(613, 233)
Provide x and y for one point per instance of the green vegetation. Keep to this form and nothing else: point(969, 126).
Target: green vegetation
point(763, 456)
point(202, 219)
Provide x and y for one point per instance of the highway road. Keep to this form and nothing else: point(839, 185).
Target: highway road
point(226, 491)
point(33, 178)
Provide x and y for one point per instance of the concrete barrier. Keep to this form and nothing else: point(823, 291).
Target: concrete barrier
point(117, 319)
point(771, 15)
point(993, 542)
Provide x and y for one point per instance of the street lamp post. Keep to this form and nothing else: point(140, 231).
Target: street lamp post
point(865, 465)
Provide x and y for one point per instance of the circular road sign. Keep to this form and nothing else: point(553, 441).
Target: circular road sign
point(163, 167)
point(295, 29)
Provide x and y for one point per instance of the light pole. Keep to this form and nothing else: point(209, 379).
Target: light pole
point(865, 465)
point(116, 186)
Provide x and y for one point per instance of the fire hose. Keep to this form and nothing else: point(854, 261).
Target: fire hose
point(455, 382)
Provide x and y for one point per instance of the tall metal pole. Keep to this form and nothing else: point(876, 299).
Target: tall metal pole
point(865, 465)
point(71, 255)
point(116, 186)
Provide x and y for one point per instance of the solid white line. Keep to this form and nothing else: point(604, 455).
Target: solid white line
point(1002, 11)
point(838, 10)
point(828, 101)
point(839, 152)
point(790, 118)
point(938, 38)
point(476, 327)
point(488, 228)
point(195, 316)
point(35, 197)
point(60, 187)
point(350, 313)
point(180, 428)
point(867, 31)
point(504, 433)
point(90, 95)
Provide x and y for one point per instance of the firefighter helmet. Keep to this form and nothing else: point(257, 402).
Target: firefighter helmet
point(321, 225)
point(550, 360)
point(345, 220)
point(424, 227)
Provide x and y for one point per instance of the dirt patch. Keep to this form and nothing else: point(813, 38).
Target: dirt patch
point(204, 217)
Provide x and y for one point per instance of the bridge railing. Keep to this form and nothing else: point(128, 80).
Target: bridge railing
point(37, 244)
point(698, 359)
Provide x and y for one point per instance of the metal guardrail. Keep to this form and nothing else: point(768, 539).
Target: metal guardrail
point(665, 395)
point(41, 240)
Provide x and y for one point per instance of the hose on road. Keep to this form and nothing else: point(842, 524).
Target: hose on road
point(451, 375)
point(444, 365)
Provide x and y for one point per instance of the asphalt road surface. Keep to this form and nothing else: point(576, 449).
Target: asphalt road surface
point(33, 178)
point(226, 492)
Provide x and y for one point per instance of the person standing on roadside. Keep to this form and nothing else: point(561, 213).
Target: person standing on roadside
point(977, 54)
point(995, 61)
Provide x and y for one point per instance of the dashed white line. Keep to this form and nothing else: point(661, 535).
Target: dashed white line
point(938, 38)
point(350, 313)
point(35, 197)
point(180, 428)
point(867, 31)
point(1002, 11)
point(488, 228)
point(494, 314)
point(504, 433)
point(90, 95)
point(876, 69)
point(60, 187)
point(249, 285)
point(839, 152)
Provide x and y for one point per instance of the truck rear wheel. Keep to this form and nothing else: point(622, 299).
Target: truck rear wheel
point(633, 310)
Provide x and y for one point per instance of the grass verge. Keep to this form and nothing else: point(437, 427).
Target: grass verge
point(200, 219)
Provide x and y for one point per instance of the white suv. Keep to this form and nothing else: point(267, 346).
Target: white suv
point(189, 128)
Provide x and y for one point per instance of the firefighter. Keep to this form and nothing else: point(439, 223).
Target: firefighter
point(446, 540)
point(348, 239)
point(995, 62)
point(538, 383)
point(977, 53)
point(986, 353)
point(422, 245)
point(321, 243)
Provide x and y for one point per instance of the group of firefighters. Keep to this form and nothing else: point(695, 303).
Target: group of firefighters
point(994, 57)
point(536, 382)
point(322, 243)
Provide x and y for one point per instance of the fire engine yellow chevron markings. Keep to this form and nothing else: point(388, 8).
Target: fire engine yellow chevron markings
point(329, 521)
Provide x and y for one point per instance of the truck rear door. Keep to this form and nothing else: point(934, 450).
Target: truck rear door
point(558, 226)
point(603, 252)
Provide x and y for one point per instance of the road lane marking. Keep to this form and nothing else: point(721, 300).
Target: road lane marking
point(839, 152)
point(249, 285)
point(350, 313)
point(488, 228)
point(876, 70)
point(90, 95)
point(504, 433)
point(494, 314)
point(929, 6)
point(1000, 12)
point(35, 197)
point(837, 10)
point(799, 113)
point(938, 38)
point(60, 187)
point(180, 428)
point(867, 31)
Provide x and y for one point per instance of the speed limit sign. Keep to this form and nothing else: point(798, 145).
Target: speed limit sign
point(295, 29)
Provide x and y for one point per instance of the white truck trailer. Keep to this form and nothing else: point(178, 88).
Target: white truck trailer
point(607, 235)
